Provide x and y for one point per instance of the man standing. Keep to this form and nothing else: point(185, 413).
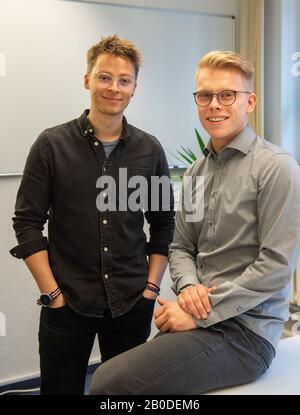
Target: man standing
point(231, 268)
point(92, 270)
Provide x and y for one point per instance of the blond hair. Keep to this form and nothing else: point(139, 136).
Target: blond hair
point(226, 59)
point(116, 46)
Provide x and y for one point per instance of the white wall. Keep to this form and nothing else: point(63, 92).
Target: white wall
point(19, 348)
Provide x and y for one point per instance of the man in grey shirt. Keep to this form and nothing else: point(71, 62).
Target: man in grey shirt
point(232, 267)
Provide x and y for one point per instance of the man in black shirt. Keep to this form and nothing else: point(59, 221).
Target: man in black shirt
point(92, 271)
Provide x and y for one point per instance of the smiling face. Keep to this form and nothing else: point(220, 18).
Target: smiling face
point(223, 123)
point(110, 98)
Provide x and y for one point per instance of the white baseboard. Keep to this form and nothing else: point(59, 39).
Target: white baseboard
point(34, 375)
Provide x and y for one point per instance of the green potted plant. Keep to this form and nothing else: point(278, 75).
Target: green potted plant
point(188, 155)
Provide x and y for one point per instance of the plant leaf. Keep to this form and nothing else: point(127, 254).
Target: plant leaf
point(200, 140)
point(189, 153)
point(185, 157)
point(192, 155)
point(177, 158)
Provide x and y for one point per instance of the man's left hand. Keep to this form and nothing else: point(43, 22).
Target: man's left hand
point(171, 317)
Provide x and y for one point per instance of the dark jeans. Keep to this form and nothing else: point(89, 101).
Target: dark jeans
point(186, 363)
point(66, 339)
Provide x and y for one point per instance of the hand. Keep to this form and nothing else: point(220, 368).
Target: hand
point(170, 317)
point(58, 302)
point(150, 295)
point(194, 300)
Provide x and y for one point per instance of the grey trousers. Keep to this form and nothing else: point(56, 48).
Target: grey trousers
point(186, 363)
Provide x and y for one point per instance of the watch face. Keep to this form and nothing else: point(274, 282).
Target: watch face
point(45, 299)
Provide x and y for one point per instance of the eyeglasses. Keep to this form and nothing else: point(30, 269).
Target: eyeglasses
point(107, 79)
point(226, 97)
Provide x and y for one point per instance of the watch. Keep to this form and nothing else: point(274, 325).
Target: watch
point(184, 287)
point(46, 299)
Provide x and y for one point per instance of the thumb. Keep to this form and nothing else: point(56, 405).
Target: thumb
point(161, 301)
point(212, 289)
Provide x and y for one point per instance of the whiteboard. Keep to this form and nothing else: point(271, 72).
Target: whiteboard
point(43, 45)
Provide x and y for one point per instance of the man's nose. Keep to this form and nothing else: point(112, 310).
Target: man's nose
point(114, 84)
point(214, 102)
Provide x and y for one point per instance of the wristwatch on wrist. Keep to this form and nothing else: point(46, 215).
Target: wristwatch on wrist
point(184, 287)
point(46, 299)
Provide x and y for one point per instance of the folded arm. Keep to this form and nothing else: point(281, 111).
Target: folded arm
point(279, 240)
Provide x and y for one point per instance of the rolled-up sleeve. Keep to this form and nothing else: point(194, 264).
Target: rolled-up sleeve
point(160, 214)
point(33, 201)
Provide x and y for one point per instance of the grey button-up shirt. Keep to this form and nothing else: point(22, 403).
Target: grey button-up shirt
point(248, 240)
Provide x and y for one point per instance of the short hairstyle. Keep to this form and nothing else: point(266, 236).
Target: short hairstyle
point(219, 59)
point(116, 46)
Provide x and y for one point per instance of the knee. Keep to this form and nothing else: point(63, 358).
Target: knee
point(96, 388)
point(99, 383)
point(106, 382)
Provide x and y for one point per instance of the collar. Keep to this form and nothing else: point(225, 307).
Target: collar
point(242, 142)
point(87, 129)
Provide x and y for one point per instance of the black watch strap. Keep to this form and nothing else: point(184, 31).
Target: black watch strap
point(184, 287)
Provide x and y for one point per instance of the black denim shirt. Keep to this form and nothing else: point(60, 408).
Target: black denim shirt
point(99, 259)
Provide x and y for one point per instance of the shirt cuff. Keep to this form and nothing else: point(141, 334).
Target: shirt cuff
point(212, 318)
point(184, 281)
point(25, 249)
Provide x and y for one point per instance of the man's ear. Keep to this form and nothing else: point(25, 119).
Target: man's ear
point(86, 81)
point(251, 103)
point(134, 89)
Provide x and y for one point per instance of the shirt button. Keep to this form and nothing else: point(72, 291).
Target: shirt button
point(105, 249)
point(105, 221)
point(106, 276)
point(210, 223)
point(90, 130)
point(96, 143)
point(104, 194)
point(104, 168)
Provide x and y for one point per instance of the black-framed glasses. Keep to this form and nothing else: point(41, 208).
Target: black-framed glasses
point(226, 97)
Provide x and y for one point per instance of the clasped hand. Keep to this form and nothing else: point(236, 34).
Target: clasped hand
point(178, 315)
point(194, 300)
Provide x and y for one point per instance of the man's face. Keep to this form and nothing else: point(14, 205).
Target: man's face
point(220, 121)
point(111, 98)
